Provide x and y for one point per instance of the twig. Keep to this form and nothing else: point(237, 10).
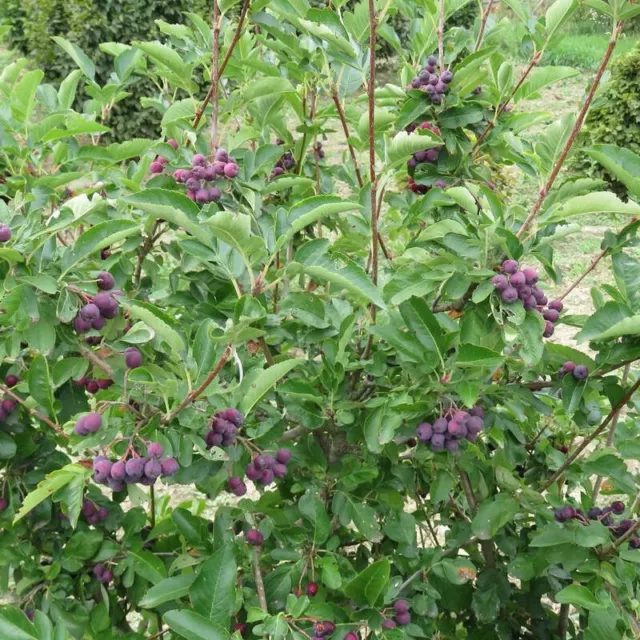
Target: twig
point(146, 247)
point(345, 128)
point(440, 32)
point(236, 37)
point(544, 191)
point(563, 620)
point(590, 438)
point(611, 436)
point(193, 395)
point(257, 576)
point(623, 538)
point(215, 76)
point(97, 361)
point(152, 497)
point(265, 349)
point(56, 427)
point(492, 123)
point(292, 434)
point(589, 269)
point(483, 24)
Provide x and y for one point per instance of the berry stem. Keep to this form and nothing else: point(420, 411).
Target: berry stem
point(590, 438)
point(193, 395)
point(483, 24)
point(236, 37)
point(152, 506)
point(56, 427)
point(544, 191)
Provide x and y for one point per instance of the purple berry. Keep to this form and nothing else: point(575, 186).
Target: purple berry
point(477, 412)
point(518, 279)
point(118, 470)
point(388, 624)
point(134, 468)
point(103, 513)
point(551, 315)
point(198, 160)
point(88, 508)
point(447, 76)
point(401, 606)
point(234, 482)
point(510, 294)
point(101, 471)
point(222, 155)
point(231, 169)
point(156, 167)
point(4, 503)
point(283, 456)
point(548, 329)
point(254, 537)
point(475, 424)
point(432, 61)
point(5, 233)
point(617, 507)
point(440, 425)
point(580, 372)
point(107, 304)
point(510, 266)
point(556, 305)
point(311, 589)
point(89, 312)
point(214, 194)
point(266, 478)
point(279, 470)
point(153, 469)
point(170, 467)
point(132, 358)
point(252, 473)
point(11, 381)
point(405, 618)
point(92, 422)
point(500, 282)
point(202, 196)
point(437, 442)
point(531, 275)
point(155, 450)
point(424, 432)
point(8, 406)
point(105, 281)
point(594, 513)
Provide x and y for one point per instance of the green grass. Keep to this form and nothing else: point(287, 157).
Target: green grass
point(585, 51)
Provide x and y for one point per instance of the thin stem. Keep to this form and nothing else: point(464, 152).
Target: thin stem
point(589, 269)
point(623, 538)
point(146, 247)
point(265, 349)
point(152, 506)
point(215, 76)
point(97, 361)
point(440, 32)
point(611, 436)
point(36, 414)
point(193, 395)
point(483, 24)
point(236, 37)
point(257, 576)
point(590, 438)
point(345, 128)
point(563, 620)
point(544, 191)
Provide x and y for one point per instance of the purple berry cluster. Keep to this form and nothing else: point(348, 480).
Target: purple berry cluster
point(515, 284)
point(449, 429)
point(254, 537)
point(435, 85)
point(93, 513)
point(157, 166)
point(103, 306)
point(284, 164)
point(323, 628)
point(117, 474)
point(7, 407)
point(88, 424)
point(102, 573)
point(402, 611)
point(224, 427)
point(93, 386)
point(264, 469)
point(578, 371)
point(202, 172)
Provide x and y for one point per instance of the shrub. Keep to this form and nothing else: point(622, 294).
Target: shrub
point(395, 441)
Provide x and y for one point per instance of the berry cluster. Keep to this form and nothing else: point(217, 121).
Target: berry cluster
point(88, 424)
point(5, 233)
point(103, 306)
point(93, 513)
point(427, 156)
point(136, 469)
point(7, 407)
point(435, 85)
point(224, 427)
point(265, 468)
point(93, 386)
point(578, 371)
point(515, 284)
point(102, 573)
point(202, 171)
point(254, 537)
point(323, 628)
point(403, 615)
point(286, 162)
point(157, 166)
point(447, 430)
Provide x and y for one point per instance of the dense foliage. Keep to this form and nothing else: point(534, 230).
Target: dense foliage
point(354, 359)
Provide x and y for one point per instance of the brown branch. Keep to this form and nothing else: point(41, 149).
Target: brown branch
point(492, 123)
point(146, 247)
point(623, 538)
point(193, 395)
point(594, 434)
point(265, 349)
point(544, 191)
point(223, 66)
point(563, 620)
point(345, 128)
point(483, 24)
point(440, 33)
point(36, 414)
point(257, 576)
point(215, 77)
point(97, 361)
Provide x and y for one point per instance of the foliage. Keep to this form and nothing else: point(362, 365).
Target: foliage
point(585, 51)
point(178, 312)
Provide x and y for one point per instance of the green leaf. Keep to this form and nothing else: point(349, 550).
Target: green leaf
point(541, 78)
point(12, 256)
point(213, 593)
point(193, 626)
point(160, 322)
point(254, 387)
point(148, 566)
point(598, 202)
point(172, 206)
point(424, 325)
point(266, 87)
point(557, 14)
point(369, 585)
point(8, 446)
point(24, 93)
point(40, 384)
point(530, 332)
point(170, 589)
point(380, 427)
point(611, 315)
point(623, 163)
point(473, 355)
point(97, 237)
point(180, 110)
point(78, 56)
point(14, 625)
point(494, 514)
point(579, 596)
point(166, 56)
point(234, 229)
point(406, 144)
point(313, 511)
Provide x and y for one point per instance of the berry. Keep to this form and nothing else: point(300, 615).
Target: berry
point(118, 470)
point(283, 456)
point(432, 61)
point(156, 167)
point(437, 442)
point(11, 380)
point(103, 513)
point(279, 470)
point(477, 412)
point(134, 468)
point(233, 416)
point(474, 424)
point(132, 358)
point(531, 275)
point(518, 279)
point(403, 618)
point(568, 367)
point(153, 469)
point(311, 589)
point(202, 196)
point(447, 76)
point(500, 282)
point(4, 503)
point(351, 636)
point(92, 422)
point(254, 537)
point(222, 155)
point(107, 304)
point(170, 467)
point(214, 194)
point(241, 627)
point(388, 624)
point(105, 281)
point(252, 472)
point(8, 406)
point(564, 513)
point(510, 266)
point(101, 471)
point(173, 143)
point(401, 606)
point(198, 160)
point(581, 372)
point(634, 543)
point(267, 477)
point(556, 305)
point(440, 425)
point(551, 315)
point(107, 576)
point(617, 507)
point(98, 570)
point(5, 233)
point(510, 294)
point(231, 169)
point(155, 450)
point(548, 329)
point(89, 312)
point(424, 432)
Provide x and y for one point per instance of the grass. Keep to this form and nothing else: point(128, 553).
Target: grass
point(585, 51)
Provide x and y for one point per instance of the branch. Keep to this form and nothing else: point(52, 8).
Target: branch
point(193, 395)
point(456, 305)
point(97, 361)
point(56, 427)
point(146, 247)
point(563, 619)
point(623, 538)
point(544, 191)
point(594, 434)
point(345, 128)
point(236, 37)
point(257, 576)
point(483, 24)
point(492, 123)
point(440, 32)
point(215, 76)
point(292, 434)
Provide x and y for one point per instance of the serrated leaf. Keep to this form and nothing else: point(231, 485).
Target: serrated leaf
point(160, 322)
point(169, 589)
point(253, 388)
point(214, 591)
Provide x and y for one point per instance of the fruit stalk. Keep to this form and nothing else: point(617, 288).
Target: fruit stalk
point(590, 438)
point(544, 191)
